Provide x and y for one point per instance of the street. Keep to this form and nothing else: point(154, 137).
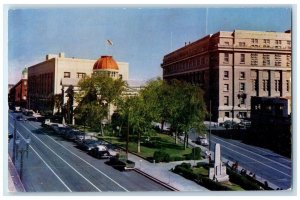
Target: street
point(56, 165)
point(270, 166)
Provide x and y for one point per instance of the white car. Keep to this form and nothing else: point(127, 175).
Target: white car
point(202, 140)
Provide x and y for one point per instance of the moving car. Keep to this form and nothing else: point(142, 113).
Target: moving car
point(202, 140)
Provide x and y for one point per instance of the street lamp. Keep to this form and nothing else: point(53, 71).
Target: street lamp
point(15, 138)
point(22, 150)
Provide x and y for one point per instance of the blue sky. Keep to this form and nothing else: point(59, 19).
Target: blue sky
point(141, 36)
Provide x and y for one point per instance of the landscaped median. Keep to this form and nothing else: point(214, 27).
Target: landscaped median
point(199, 174)
point(160, 148)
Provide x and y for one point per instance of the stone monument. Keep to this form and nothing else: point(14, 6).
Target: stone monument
point(218, 173)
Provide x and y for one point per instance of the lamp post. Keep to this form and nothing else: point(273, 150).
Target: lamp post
point(15, 137)
point(209, 125)
point(22, 150)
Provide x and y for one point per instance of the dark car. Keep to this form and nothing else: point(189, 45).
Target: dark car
point(63, 130)
point(88, 144)
point(100, 151)
point(71, 135)
point(21, 118)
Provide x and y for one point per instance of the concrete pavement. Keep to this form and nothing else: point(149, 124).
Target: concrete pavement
point(14, 182)
point(161, 172)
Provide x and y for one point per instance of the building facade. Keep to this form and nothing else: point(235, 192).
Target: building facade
point(49, 80)
point(18, 93)
point(231, 67)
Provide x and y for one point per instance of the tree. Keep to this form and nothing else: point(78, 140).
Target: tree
point(96, 95)
point(179, 103)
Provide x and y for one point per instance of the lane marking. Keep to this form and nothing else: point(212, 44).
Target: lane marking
point(84, 161)
point(63, 160)
point(253, 153)
point(46, 163)
point(257, 161)
point(259, 149)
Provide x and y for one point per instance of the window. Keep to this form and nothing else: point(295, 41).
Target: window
point(67, 74)
point(266, 41)
point(254, 41)
point(254, 59)
point(288, 60)
point(242, 114)
point(242, 101)
point(265, 85)
point(80, 75)
point(242, 75)
point(277, 41)
point(242, 44)
point(287, 85)
point(226, 43)
point(254, 84)
point(288, 42)
point(242, 58)
point(226, 114)
point(226, 100)
point(226, 57)
point(226, 87)
point(277, 85)
point(266, 59)
point(226, 74)
point(242, 86)
point(277, 60)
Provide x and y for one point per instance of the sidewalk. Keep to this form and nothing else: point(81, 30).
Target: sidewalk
point(14, 182)
point(161, 172)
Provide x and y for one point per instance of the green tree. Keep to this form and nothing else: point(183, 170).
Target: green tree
point(96, 95)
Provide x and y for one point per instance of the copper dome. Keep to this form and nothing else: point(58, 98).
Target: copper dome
point(106, 63)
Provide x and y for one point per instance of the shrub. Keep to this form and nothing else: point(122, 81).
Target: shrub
point(212, 185)
point(242, 181)
point(176, 158)
point(161, 156)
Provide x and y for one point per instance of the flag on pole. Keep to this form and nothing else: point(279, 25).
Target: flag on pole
point(109, 42)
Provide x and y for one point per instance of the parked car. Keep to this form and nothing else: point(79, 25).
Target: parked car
point(121, 162)
point(100, 151)
point(63, 130)
point(202, 140)
point(71, 135)
point(88, 144)
point(21, 118)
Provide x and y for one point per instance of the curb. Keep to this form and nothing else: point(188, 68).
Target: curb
point(156, 180)
point(16, 181)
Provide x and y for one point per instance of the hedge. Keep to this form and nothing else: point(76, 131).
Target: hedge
point(161, 156)
point(186, 171)
point(242, 181)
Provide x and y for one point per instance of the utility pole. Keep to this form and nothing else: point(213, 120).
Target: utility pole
point(209, 125)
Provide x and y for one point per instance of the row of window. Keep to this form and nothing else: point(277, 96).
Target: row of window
point(265, 84)
point(242, 75)
point(79, 75)
point(186, 65)
point(254, 59)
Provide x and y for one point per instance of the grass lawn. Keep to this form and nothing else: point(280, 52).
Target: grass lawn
point(201, 170)
point(160, 142)
point(233, 186)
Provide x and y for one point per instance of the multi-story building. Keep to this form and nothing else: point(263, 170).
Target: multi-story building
point(48, 80)
point(233, 66)
point(18, 93)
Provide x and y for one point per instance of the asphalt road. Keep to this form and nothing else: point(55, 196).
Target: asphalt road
point(270, 166)
point(56, 165)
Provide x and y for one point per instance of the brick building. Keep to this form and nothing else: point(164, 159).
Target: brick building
point(233, 66)
point(18, 93)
